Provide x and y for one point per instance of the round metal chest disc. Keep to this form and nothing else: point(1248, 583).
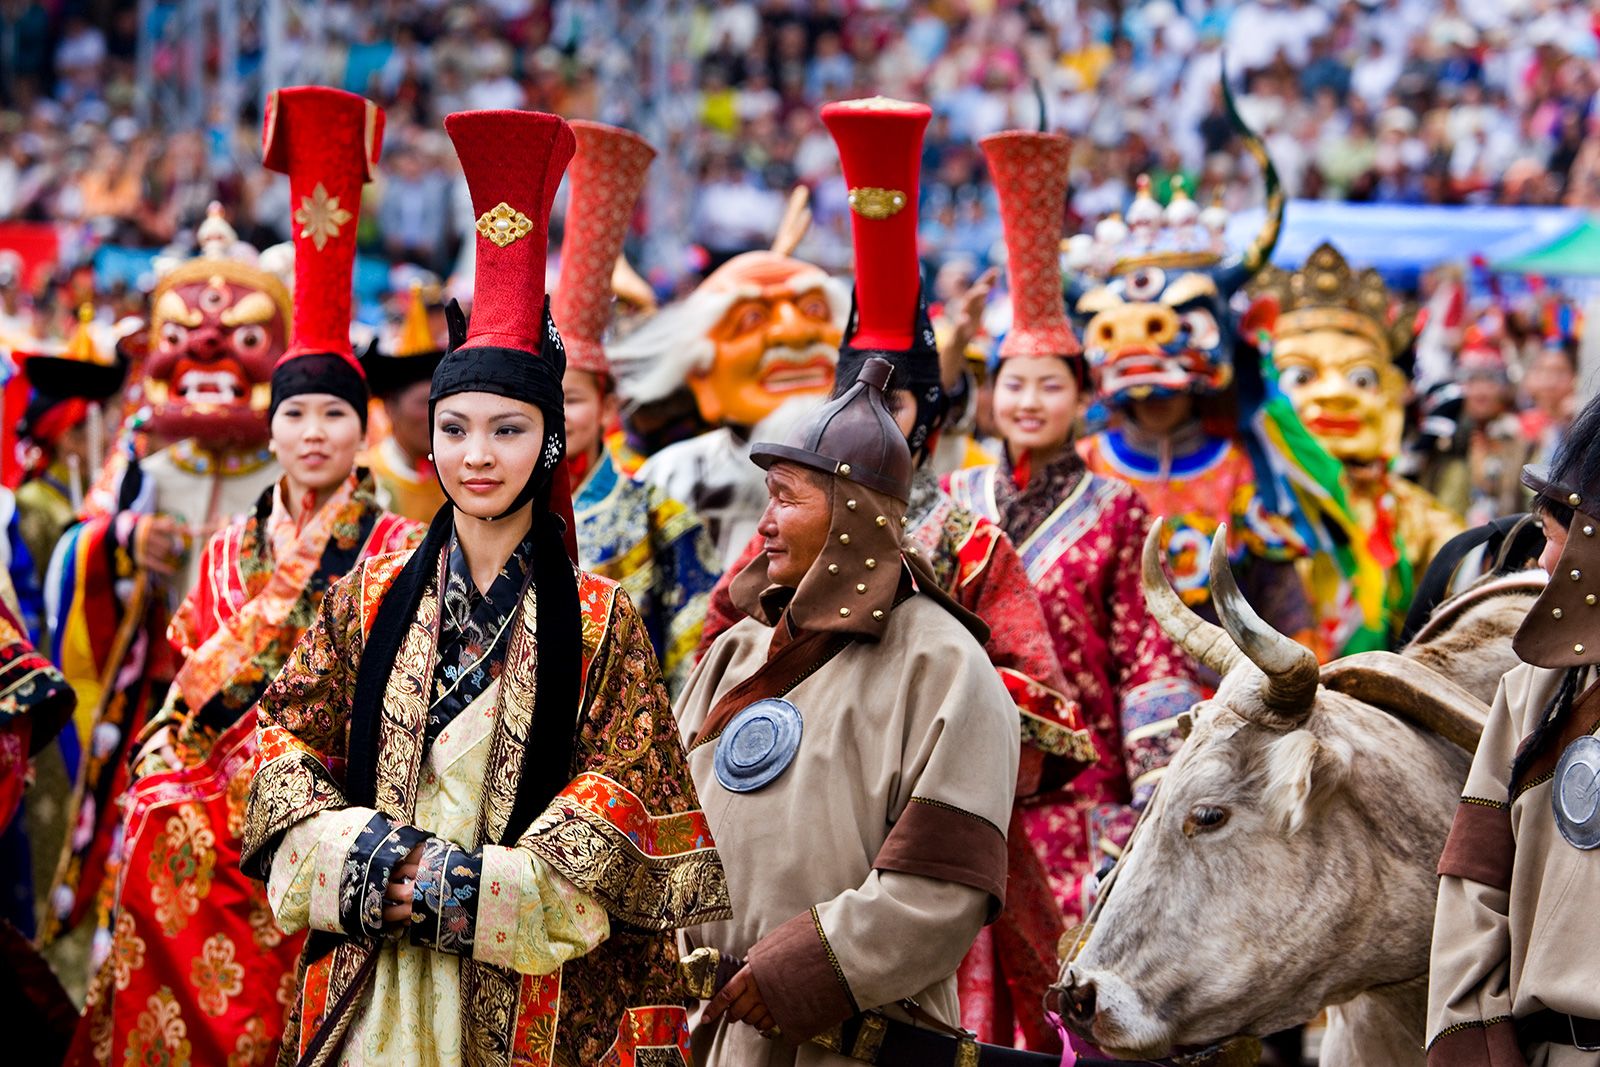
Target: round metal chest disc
point(1575, 793)
point(758, 745)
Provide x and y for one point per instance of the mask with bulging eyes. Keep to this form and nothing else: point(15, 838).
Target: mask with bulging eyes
point(217, 328)
point(1156, 332)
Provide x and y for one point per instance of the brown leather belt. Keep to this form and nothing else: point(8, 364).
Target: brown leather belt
point(1558, 1028)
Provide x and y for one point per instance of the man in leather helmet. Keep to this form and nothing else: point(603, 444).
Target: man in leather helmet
point(1512, 979)
point(855, 747)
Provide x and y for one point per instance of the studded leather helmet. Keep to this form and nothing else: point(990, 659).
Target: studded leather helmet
point(853, 437)
point(1562, 629)
point(854, 582)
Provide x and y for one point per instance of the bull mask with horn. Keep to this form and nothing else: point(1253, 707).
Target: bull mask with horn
point(1150, 295)
point(1290, 672)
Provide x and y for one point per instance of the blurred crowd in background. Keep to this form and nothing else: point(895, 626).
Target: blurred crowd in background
point(1397, 101)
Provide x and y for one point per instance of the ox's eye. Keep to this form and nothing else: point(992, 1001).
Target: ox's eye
point(1202, 818)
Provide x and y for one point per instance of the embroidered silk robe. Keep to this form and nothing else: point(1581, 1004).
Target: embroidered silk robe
point(1013, 960)
point(633, 533)
point(1197, 481)
point(1080, 537)
point(554, 950)
point(110, 624)
point(860, 875)
point(194, 950)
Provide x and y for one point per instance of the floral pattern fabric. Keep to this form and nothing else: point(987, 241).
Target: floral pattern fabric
point(1080, 537)
point(197, 971)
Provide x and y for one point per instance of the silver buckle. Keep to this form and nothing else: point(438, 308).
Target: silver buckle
point(1572, 1030)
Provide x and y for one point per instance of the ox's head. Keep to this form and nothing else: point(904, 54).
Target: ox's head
point(1286, 861)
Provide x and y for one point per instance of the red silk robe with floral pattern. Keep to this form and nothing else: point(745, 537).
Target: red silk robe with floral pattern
point(1079, 537)
point(196, 962)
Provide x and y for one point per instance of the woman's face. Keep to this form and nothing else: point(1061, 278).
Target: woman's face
point(589, 409)
point(1036, 403)
point(485, 448)
point(316, 437)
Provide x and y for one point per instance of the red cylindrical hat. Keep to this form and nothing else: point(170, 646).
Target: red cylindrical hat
point(880, 150)
point(603, 185)
point(1030, 176)
point(327, 141)
point(513, 162)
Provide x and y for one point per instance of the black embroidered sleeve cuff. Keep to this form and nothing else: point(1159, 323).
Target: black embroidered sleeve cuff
point(380, 847)
point(444, 900)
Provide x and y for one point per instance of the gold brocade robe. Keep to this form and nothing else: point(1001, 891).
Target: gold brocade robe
point(625, 834)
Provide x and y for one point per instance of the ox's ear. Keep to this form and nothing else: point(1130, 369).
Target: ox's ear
point(1303, 770)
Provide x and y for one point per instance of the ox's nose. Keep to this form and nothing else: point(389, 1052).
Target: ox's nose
point(1078, 1000)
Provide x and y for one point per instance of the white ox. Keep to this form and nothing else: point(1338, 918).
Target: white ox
point(1286, 864)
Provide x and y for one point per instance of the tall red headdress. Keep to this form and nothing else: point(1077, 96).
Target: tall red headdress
point(513, 162)
point(327, 141)
point(1030, 176)
point(607, 175)
point(880, 150)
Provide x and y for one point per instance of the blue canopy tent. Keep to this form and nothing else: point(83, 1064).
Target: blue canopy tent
point(1405, 240)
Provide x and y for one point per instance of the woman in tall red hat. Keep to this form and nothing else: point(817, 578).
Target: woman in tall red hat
point(1079, 536)
point(470, 787)
point(195, 959)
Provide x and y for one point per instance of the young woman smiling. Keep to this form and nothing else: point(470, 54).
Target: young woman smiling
point(458, 758)
point(1079, 536)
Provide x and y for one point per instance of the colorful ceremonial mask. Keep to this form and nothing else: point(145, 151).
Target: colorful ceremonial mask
point(1335, 334)
point(607, 174)
point(1157, 320)
point(218, 326)
point(776, 341)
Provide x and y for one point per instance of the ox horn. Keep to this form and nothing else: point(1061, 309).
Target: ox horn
point(1291, 668)
point(1206, 643)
